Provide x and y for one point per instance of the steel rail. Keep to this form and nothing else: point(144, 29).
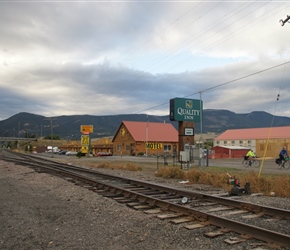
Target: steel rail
point(181, 192)
point(238, 227)
point(282, 213)
point(242, 228)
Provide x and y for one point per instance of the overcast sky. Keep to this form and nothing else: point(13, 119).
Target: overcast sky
point(132, 57)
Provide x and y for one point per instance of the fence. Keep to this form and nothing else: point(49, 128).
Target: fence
point(176, 160)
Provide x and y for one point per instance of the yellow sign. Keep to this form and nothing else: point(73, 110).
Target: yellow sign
point(154, 145)
point(85, 149)
point(122, 132)
point(87, 128)
point(85, 140)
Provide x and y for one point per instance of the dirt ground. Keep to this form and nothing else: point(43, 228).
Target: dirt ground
point(39, 211)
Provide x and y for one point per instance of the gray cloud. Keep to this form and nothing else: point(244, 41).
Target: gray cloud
point(98, 58)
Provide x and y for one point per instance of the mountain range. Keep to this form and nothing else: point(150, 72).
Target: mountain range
point(68, 127)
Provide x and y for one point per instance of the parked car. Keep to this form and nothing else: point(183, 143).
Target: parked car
point(62, 152)
point(71, 153)
point(104, 154)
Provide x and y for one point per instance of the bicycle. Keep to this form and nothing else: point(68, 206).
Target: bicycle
point(254, 163)
point(284, 163)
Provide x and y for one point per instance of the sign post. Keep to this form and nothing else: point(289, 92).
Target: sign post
point(182, 109)
point(186, 112)
point(85, 139)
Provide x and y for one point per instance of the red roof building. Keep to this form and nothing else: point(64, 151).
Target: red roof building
point(218, 152)
point(151, 138)
point(264, 141)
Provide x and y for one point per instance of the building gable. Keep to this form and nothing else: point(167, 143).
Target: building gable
point(122, 133)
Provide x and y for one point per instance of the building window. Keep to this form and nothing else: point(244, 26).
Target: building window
point(167, 147)
point(225, 142)
point(128, 147)
point(119, 147)
point(218, 142)
point(233, 142)
point(241, 142)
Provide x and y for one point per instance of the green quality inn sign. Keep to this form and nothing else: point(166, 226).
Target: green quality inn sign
point(182, 109)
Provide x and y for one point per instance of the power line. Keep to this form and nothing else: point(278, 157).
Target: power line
point(223, 84)
point(115, 86)
point(140, 75)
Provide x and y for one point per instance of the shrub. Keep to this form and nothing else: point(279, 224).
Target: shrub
point(170, 172)
point(278, 184)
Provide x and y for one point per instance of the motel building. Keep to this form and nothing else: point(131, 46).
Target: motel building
point(141, 138)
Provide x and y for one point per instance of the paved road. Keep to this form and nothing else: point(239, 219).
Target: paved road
point(269, 165)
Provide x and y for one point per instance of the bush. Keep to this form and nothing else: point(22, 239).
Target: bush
point(170, 172)
point(80, 154)
point(265, 184)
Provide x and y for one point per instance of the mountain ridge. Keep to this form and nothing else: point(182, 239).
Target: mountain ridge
point(68, 127)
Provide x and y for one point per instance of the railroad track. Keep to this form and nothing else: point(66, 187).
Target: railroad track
point(192, 209)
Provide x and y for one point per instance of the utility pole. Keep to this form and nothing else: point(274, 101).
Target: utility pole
point(201, 130)
point(51, 133)
point(282, 22)
point(146, 145)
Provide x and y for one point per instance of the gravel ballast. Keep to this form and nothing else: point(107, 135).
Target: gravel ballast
point(41, 211)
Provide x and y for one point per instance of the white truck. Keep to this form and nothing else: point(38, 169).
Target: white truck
point(52, 149)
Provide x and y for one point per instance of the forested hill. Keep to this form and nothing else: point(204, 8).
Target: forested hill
point(68, 127)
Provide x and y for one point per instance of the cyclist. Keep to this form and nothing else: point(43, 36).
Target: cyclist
point(283, 153)
point(250, 155)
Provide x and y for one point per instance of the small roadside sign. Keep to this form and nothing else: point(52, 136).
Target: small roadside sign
point(87, 128)
point(85, 149)
point(188, 131)
point(85, 139)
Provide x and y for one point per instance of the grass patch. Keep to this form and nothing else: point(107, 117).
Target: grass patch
point(121, 166)
point(217, 177)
